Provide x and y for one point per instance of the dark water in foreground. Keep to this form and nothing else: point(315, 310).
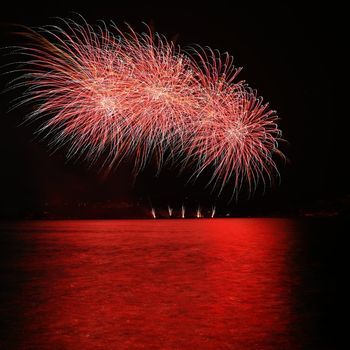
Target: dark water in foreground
point(168, 284)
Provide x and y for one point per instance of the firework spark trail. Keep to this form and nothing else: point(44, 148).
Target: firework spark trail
point(199, 212)
point(137, 95)
point(153, 212)
point(170, 211)
point(213, 210)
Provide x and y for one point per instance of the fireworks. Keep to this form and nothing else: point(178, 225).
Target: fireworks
point(104, 92)
point(170, 211)
point(153, 212)
point(213, 210)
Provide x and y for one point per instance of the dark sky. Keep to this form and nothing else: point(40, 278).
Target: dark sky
point(287, 54)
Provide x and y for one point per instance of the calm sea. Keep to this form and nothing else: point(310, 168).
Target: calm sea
point(169, 284)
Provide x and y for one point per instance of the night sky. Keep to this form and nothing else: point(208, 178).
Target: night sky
point(287, 54)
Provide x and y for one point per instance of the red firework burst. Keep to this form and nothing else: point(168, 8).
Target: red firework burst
point(140, 96)
point(235, 133)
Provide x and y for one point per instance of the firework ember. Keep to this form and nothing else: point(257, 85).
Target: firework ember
point(104, 92)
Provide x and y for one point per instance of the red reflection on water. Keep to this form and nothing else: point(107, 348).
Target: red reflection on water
point(172, 284)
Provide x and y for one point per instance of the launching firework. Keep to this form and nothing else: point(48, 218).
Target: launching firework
point(213, 210)
point(153, 212)
point(199, 213)
point(170, 211)
point(183, 211)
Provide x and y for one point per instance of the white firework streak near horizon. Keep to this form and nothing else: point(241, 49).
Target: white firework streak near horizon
point(213, 210)
point(183, 211)
point(170, 211)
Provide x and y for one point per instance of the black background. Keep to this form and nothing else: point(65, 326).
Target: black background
point(288, 53)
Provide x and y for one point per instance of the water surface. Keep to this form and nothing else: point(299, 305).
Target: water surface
point(167, 284)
